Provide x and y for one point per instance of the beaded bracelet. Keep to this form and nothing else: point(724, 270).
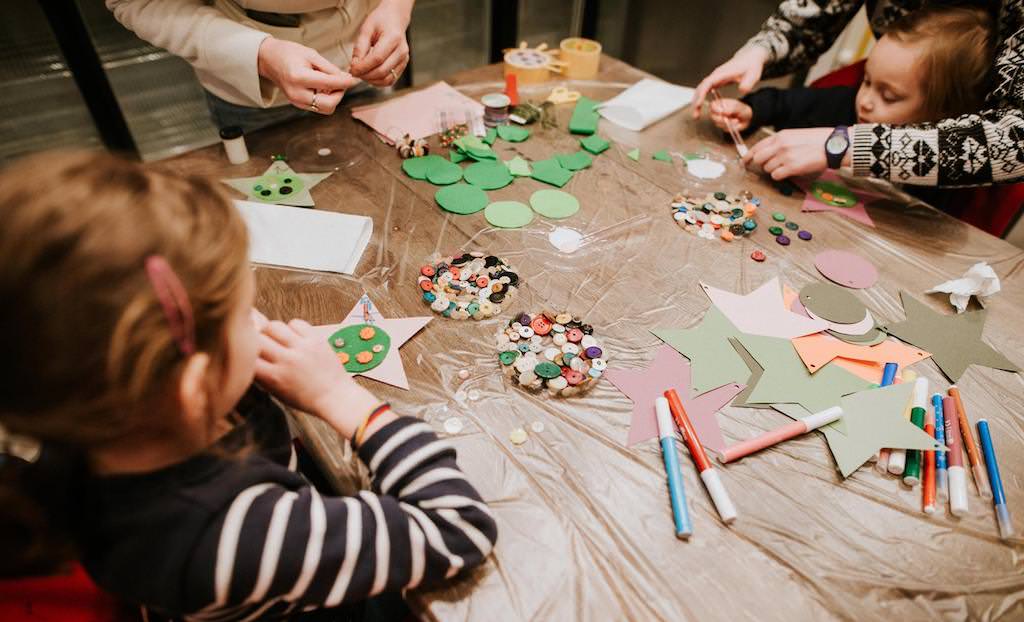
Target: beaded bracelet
point(376, 412)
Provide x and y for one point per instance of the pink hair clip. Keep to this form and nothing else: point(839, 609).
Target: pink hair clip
point(174, 300)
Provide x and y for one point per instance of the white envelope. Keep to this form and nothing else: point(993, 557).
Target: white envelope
point(645, 103)
point(297, 237)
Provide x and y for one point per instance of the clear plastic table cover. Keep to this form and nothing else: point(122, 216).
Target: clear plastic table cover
point(585, 528)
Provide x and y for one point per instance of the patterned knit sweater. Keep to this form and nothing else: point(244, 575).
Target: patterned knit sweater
point(973, 149)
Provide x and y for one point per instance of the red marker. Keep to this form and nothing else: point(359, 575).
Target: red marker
point(719, 496)
point(511, 89)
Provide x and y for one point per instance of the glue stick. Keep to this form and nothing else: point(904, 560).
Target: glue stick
point(234, 144)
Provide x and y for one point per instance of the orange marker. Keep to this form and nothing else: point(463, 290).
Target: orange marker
point(928, 478)
point(977, 468)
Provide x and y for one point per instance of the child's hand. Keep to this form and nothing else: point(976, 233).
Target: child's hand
point(724, 110)
point(791, 153)
point(298, 366)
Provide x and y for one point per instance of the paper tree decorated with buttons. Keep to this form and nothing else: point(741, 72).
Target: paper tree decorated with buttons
point(279, 184)
point(829, 193)
point(367, 343)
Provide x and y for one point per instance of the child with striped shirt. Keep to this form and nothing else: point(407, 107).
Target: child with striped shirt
point(164, 469)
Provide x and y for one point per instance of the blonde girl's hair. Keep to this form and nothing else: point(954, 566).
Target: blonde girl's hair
point(957, 61)
point(91, 354)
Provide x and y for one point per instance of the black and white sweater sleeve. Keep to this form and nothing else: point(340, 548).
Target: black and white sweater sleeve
point(278, 549)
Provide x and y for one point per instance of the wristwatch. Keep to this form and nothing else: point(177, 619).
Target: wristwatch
point(836, 146)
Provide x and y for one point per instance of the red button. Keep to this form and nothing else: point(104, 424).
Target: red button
point(574, 335)
point(540, 325)
point(758, 255)
point(427, 271)
point(574, 377)
point(426, 285)
point(456, 273)
point(482, 281)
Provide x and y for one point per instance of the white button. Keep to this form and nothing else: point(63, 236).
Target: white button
point(571, 348)
point(526, 332)
point(560, 339)
point(599, 364)
point(558, 383)
point(551, 353)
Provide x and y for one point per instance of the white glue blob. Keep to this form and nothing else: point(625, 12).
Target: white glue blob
point(565, 239)
point(705, 169)
point(323, 152)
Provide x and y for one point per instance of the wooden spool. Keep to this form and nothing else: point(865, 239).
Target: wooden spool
point(581, 57)
point(531, 65)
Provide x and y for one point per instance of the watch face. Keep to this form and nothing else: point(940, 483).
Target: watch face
point(837, 143)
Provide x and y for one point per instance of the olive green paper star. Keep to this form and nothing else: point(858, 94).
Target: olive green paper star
point(713, 360)
point(280, 185)
point(954, 340)
point(786, 379)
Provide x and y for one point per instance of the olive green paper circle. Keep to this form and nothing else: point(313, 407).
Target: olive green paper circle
point(832, 303)
point(354, 344)
point(488, 175)
point(508, 214)
point(554, 203)
point(461, 199)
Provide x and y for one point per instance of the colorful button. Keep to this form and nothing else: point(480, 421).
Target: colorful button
point(574, 335)
point(804, 235)
point(599, 364)
point(547, 370)
point(428, 271)
point(339, 343)
point(540, 325)
point(757, 255)
point(782, 240)
point(343, 357)
point(792, 226)
point(364, 357)
point(779, 216)
point(426, 286)
point(378, 348)
point(526, 332)
point(593, 352)
point(750, 224)
point(574, 377)
point(775, 230)
point(507, 358)
point(366, 333)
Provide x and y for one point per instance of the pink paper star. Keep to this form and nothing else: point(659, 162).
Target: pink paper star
point(390, 371)
point(670, 370)
point(763, 312)
point(855, 212)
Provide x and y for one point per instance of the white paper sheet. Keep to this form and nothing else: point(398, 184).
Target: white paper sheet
point(645, 103)
point(296, 237)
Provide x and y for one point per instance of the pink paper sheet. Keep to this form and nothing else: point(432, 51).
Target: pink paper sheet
point(855, 212)
point(671, 370)
point(390, 371)
point(763, 312)
point(418, 114)
point(846, 268)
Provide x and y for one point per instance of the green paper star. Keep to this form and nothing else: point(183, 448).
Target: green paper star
point(634, 155)
point(873, 420)
point(279, 184)
point(713, 360)
point(954, 340)
point(786, 379)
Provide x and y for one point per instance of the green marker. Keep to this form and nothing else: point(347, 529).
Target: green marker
point(912, 470)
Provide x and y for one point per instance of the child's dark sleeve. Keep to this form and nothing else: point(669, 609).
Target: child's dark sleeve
point(802, 107)
point(285, 547)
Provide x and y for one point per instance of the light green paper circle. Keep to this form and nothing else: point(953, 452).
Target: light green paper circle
point(418, 168)
point(461, 199)
point(508, 214)
point(444, 174)
point(554, 203)
point(513, 133)
point(488, 175)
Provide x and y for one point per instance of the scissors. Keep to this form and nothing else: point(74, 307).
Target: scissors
point(562, 95)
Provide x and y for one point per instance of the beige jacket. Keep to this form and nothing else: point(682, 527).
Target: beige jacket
point(221, 42)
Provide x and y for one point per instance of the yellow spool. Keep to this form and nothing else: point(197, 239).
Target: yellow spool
point(582, 57)
point(530, 65)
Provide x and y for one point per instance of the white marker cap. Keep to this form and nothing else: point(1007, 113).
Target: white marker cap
point(921, 392)
point(719, 496)
point(957, 491)
point(664, 417)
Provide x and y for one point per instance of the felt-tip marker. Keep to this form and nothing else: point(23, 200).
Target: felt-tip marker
point(784, 433)
point(912, 469)
point(941, 477)
point(676, 489)
point(957, 475)
point(998, 495)
point(977, 469)
point(708, 474)
point(928, 468)
point(888, 377)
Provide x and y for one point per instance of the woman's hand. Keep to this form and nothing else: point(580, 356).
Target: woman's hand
point(726, 111)
point(381, 51)
point(791, 153)
point(301, 72)
point(745, 67)
point(298, 366)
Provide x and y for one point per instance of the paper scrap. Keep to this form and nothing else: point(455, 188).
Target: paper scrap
point(786, 379)
point(714, 362)
point(400, 330)
point(420, 113)
point(954, 340)
point(295, 237)
point(645, 103)
point(584, 117)
point(819, 350)
point(634, 155)
point(669, 370)
point(762, 312)
point(518, 167)
point(980, 280)
point(846, 268)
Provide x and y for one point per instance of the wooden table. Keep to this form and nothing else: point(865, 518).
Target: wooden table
point(585, 528)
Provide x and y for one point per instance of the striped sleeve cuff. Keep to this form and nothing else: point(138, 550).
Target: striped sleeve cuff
point(403, 450)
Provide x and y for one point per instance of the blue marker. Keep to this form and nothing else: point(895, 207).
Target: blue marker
point(941, 477)
point(889, 374)
point(998, 495)
point(676, 491)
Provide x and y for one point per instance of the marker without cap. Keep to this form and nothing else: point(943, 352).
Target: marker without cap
point(972, 451)
point(784, 433)
point(719, 496)
point(676, 489)
point(912, 470)
point(957, 476)
point(941, 475)
point(998, 495)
